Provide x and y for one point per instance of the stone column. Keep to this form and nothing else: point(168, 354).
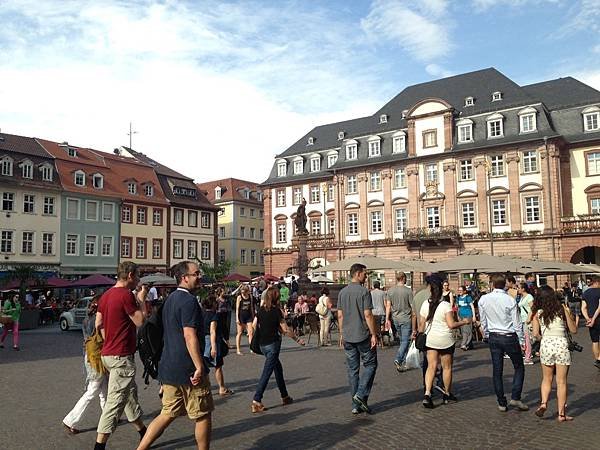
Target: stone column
point(387, 179)
point(450, 202)
point(482, 198)
point(513, 172)
point(549, 161)
point(447, 131)
point(363, 185)
point(414, 191)
point(412, 141)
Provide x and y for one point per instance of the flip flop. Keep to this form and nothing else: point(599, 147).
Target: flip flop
point(226, 393)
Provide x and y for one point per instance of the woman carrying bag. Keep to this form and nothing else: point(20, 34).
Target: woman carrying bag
point(12, 308)
point(268, 325)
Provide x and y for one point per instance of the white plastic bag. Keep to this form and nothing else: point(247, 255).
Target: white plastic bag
point(413, 357)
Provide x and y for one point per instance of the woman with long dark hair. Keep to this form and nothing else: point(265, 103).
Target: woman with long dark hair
point(525, 301)
point(270, 324)
point(437, 320)
point(552, 320)
point(244, 313)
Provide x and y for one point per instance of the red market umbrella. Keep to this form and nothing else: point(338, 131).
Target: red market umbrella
point(92, 281)
point(56, 282)
point(236, 277)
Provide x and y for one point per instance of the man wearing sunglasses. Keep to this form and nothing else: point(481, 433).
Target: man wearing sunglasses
point(182, 370)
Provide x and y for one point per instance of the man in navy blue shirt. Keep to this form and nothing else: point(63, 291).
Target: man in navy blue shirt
point(182, 370)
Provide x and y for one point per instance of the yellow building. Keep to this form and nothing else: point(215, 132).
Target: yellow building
point(240, 223)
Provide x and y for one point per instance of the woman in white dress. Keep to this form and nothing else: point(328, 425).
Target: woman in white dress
point(551, 320)
point(437, 320)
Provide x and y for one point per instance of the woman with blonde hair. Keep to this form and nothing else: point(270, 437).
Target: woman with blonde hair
point(270, 324)
point(244, 313)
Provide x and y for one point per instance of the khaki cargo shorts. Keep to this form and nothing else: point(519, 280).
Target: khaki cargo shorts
point(196, 401)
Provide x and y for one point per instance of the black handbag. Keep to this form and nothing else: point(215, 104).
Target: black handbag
point(254, 343)
point(421, 339)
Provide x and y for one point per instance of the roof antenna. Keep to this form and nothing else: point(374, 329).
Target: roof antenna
point(130, 134)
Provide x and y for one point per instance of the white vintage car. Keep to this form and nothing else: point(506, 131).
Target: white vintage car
point(73, 318)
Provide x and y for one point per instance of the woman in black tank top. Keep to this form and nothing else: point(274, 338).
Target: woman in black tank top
point(244, 313)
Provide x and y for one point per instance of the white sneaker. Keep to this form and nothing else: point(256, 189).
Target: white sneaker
point(519, 405)
point(506, 357)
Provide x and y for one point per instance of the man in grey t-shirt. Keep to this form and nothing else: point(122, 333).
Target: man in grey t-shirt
point(358, 336)
point(400, 307)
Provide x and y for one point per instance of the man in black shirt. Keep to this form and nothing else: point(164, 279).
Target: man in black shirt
point(182, 369)
point(590, 310)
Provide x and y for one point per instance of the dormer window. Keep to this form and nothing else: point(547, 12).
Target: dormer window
point(98, 181)
point(219, 192)
point(27, 169)
point(311, 140)
point(72, 152)
point(332, 159)
point(341, 135)
point(469, 101)
point(464, 130)
point(79, 178)
point(399, 142)
point(132, 188)
point(496, 96)
point(259, 196)
point(47, 172)
point(351, 150)
point(404, 113)
point(281, 169)
point(315, 163)
point(374, 146)
point(527, 120)
point(495, 126)
point(591, 118)
point(298, 166)
point(246, 194)
point(6, 166)
point(383, 118)
point(149, 190)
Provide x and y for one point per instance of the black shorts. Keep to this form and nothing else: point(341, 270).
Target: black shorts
point(245, 317)
point(443, 351)
point(595, 333)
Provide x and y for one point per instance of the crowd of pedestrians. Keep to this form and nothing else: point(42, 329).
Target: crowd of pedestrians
point(511, 317)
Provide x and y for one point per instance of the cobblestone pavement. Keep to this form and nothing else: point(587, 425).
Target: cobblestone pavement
point(40, 384)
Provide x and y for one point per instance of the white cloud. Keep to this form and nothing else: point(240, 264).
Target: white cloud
point(214, 90)
point(420, 28)
point(437, 71)
point(484, 5)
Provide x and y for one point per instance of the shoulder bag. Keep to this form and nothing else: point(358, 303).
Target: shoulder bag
point(421, 339)
point(254, 343)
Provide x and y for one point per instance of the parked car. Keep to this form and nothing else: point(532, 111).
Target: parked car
point(73, 318)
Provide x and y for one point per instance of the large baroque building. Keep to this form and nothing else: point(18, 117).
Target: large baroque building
point(241, 223)
point(473, 161)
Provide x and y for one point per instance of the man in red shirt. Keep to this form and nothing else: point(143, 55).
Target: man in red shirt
point(119, 313)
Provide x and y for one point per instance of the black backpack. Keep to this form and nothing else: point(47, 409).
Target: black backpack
point(150, 343)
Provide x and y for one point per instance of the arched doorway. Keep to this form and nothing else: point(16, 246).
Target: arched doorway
point(587, 255)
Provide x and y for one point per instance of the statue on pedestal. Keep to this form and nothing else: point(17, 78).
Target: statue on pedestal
point(300, 220)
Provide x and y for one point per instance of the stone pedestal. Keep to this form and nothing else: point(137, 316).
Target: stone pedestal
point(303, 261)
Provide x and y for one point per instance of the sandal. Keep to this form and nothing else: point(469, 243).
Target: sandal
point(226, 393)
point(256, 407)
point(70, 430)
point(541, 410)
point(564, 418)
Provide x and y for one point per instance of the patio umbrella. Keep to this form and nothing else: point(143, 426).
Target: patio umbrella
point(237, 277)
point(93, 281)
point(321, 279)
point(56, 282)
point(480, 263)
point(158, 279)
point(371, 262)
point(590, 268)
point(556, 267)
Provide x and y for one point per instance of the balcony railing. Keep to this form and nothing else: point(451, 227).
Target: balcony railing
point(580, 224)
point(437, 236)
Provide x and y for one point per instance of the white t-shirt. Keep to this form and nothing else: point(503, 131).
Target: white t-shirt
point(439, 335)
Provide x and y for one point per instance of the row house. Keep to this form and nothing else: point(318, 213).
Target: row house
point(30, 209)
point(473, 161)
point(191, 219)
point(91, 206)
point(240, 222)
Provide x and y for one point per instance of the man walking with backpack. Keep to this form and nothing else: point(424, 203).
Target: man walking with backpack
point(119, 313)
point(359, 337)
point(182, 370)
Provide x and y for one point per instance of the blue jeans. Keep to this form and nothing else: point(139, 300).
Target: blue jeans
point(499, 345)
point(272, 364)
point(355, 352)
point(404, 330)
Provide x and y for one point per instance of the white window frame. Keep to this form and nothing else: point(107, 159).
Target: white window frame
point(243, 256)
point(466, 170)
point(7, 244)
point(47, 172)
point(496, 96)
point(178, 248)
point(352, 220)
point(351, 152)
point(595, 206)
point(112, 212)
point(497, 166)
point(252, 257)
point(591, 120)
point(467, 213)
point(79, 178)
point(29, 200)
point(465, 133)
point(205, 218)
point(315, 227)
point(98, 177)
point(48, 242)
point(430, 135)
point(469, 101)
point(331, 159)
point(374, 181)
point(49, 205)
point(8, 197)
point(149, 190)
point(192, 249)
point(374, 148)
point(533, 208)
point(27, 170)
point(89, 241)
point(431, 173)
point(315, 194)
point(6, 166)
point(69, 242)
point(30, 250)
point(297, 196)
point(132, 188)
point(400, 178)
point(593, 163)
point(111, 248)
point(434, 219)
point(298, 167)
point(281, 172)
point(88, 203)
point(280, 198)
point(400, 220)
point(530, 161)
point(491, 128)
point(499, 212)
point(281, 233)
point(525, 119)
point(376, 222)
point(399, 143)
point(315, 164)
point(78, 203)
point(352, 184)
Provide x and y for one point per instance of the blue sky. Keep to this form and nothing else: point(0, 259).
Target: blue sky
point(204, 80)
